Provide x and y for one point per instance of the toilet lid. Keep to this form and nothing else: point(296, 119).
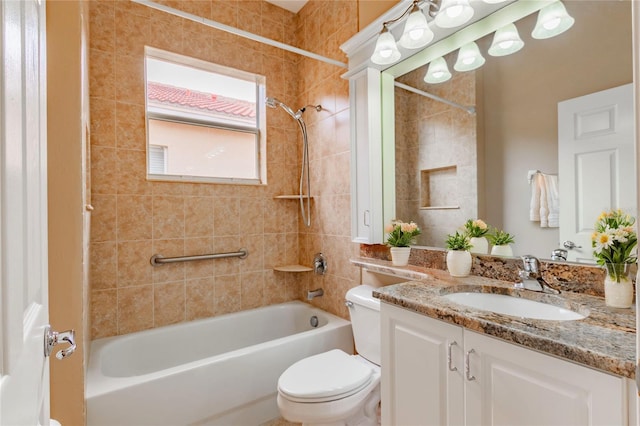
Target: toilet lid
point(328, 376)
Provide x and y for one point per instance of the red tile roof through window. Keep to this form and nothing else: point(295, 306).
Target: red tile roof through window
point(166, 95)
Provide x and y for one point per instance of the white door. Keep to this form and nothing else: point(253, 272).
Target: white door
point(24, 377)
point(596, 153)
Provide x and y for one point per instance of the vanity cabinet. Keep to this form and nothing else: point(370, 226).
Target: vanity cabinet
point(436, 373)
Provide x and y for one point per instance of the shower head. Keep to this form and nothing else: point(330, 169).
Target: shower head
point(274, 103)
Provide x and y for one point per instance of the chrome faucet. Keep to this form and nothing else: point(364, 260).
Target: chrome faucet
point(530, 276)
point(312, 294)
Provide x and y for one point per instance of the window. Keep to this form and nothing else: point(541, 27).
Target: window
point(204, 121)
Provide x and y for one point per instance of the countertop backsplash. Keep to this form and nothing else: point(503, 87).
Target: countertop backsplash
point(564, 275)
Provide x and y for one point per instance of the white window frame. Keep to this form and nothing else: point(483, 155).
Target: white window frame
point(259, 130)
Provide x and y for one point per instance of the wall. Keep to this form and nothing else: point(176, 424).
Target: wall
point(370, 10)
point(67, 111)
point(595, 54)
point(135, 218)
point(436, 156)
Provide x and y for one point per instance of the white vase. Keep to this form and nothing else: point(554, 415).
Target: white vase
point(479, 245)
point(502, 250)
point(459, 263)
point(618, 287)
point(400, 255)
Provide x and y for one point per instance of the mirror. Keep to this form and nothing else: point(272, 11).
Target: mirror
point(452, 166)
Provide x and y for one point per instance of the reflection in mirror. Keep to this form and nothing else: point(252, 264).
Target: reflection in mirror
point(452, 166)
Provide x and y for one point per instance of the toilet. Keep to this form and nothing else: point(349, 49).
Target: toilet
point(335, 388)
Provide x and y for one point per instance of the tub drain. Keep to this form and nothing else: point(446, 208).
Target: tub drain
point(314, 321)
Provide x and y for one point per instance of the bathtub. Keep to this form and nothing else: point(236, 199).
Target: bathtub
point(217, 371)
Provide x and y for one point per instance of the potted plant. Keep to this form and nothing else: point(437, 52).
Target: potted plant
point(501, 241)
point(476, 230)
point(458, 257)
point(400, 236)
point(613, 242)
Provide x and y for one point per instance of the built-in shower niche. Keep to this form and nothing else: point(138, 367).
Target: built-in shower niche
point(439, 188)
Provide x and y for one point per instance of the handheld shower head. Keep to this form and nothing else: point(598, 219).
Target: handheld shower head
point(274, 103)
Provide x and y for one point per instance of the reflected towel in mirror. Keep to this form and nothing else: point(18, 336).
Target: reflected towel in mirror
point(545, 205)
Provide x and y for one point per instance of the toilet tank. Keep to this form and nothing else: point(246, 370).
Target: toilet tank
point(364, 311)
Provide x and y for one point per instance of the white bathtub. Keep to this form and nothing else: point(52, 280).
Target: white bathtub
point(217, 371)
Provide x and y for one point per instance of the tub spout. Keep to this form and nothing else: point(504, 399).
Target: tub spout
point(312, 294)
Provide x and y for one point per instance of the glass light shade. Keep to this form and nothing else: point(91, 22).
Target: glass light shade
point(386, 51)
point(469, 58)
point(506, 41)
point(416, 31)
point(493, 1)
point(552, 20)
point(453, 13)
point(438, 72)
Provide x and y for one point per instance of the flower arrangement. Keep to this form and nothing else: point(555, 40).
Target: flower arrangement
point(614, 240)
point(500, 238)
point(401, 234)
point(458, 241)
point(475, 228)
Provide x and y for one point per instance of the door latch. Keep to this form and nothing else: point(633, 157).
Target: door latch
point(52, 338)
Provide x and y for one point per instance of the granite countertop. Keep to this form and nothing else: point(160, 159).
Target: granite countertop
point(605, 339)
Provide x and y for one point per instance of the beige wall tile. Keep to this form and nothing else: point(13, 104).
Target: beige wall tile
point(131, 172)
point(102, 74)
point(103, 265)
point(129, 79)
point(199, 298)
point(252, 290)
point(130, 126)
point(168, 303)
point(102, 30)
point(104, 312)
point(103, 122)
point(103, 218)
point(198, 216)
point(104, 171)
point(172, 271)
point(134, 217)
point(228, 294)
point(134, 267)
point(135, 309)
point(131, 33)
point(168, 217)
point(196, 247)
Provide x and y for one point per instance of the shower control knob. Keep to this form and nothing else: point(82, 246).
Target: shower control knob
point(53, 338)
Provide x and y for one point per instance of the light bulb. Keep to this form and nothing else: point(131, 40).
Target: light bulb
point(453, 13)
point(437, 72)
point(416, 32)
point(386, 52)
point(552, 20)
point(506, 41)
point(469, 58)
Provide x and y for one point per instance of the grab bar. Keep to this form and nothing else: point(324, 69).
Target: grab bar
point(158, 260)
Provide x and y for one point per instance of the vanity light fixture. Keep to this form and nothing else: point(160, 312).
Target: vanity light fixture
point(454, 13)
point(386, 51)
point(438, 72)
point(469, 58)
point(416, 32)
point(493, 1)
point(506, 41)
point(552, 20)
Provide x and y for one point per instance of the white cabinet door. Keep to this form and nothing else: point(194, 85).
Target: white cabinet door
point(419, 384)
point(366, 158)
point(518, 386)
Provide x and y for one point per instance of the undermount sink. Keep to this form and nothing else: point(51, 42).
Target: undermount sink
point(514, 306)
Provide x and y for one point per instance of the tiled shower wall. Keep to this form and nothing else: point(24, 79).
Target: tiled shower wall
point(436, 156)
point(135, 218)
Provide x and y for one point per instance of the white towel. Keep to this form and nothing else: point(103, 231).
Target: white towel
point(544, 201)
point(553, 201)
point(534, 210)
point(545, 206)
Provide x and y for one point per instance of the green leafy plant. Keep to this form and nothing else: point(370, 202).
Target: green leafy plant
point(500, 238)
point(457, 241)
point(475, 228)
point(401, 234)
point(614, 239)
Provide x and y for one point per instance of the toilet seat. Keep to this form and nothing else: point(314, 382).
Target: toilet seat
point(328, 376)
